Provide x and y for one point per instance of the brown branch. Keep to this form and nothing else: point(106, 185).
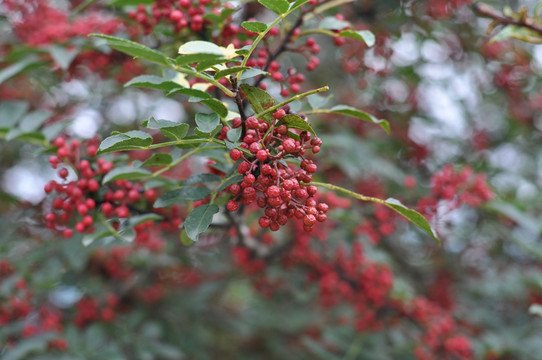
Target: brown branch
point(488, 11)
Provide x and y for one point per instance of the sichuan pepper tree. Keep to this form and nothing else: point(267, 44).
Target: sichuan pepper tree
point(259, 224)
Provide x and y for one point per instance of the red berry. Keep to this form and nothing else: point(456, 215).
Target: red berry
point(322, 207)
point(63, 173)
point(50, 217)
point(273, 191)
point(252, 123)
point(279, 114)
point(309, 220)
point(277, 76)
point(261, 155)
point(82, 209)
point(311, 189)
point(176, 15)
point(232, 205)
point(80, 227)
point(87, 220)
point(289, 145)
point(236, 122)
point(243, 167)
point(264, 222)
point(122, 212)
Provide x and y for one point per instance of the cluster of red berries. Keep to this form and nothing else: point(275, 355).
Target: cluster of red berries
point(89, 310)
point(112, 263)
point(81, 197)
point(457, 187)
point(121, 195)
point(74, 196)
point(38, 22)
point(441, 339)
point(181, 14)
point(269, 181)
point(18, 309)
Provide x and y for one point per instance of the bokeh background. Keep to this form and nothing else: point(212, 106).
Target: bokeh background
point(464, 150)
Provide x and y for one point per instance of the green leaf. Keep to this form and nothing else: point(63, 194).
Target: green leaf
point(125, 172)
point(219, 19)
point(199, 220)
point(350, 111)
point(52, 131)
point(130, 140)
point(234, 134)
point(188, 59)
point(413, 216)
point(170, 129)
point(153, 82)
point(296, 122)
point(34, 120)
point(185, 240)
point(362, 35)
point(206, 64)
point(120, 3)
point(140, 219)
point(317, 101)
point(201, 178)
point(297, 4)
point(216, 106)
point(207, 122)
point(236, 179)
point(19, 67)
point(232, 70)
point(259, 100)
point(191, 193)
point(254, 26)
point(519, 33)
point(245, 50)
point(134, 49)
point(26, 347)
point(158, 159)
point(30, 136)
point(200, 47)
point(190, 92)
point(63, 56)
point(250, 73)
point(278, 6)
point(11, 112)
point(332, 23)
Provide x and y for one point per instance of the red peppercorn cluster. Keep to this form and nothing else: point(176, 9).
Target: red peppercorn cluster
point(457, 187)
point(75, 203)
point(121, 195)
point(181, 14)
point(19, 310)
point(113, 263)
point(441, 339)
point(89, 310)
point(38, 22)
point(269, 181)
point(76, 196)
